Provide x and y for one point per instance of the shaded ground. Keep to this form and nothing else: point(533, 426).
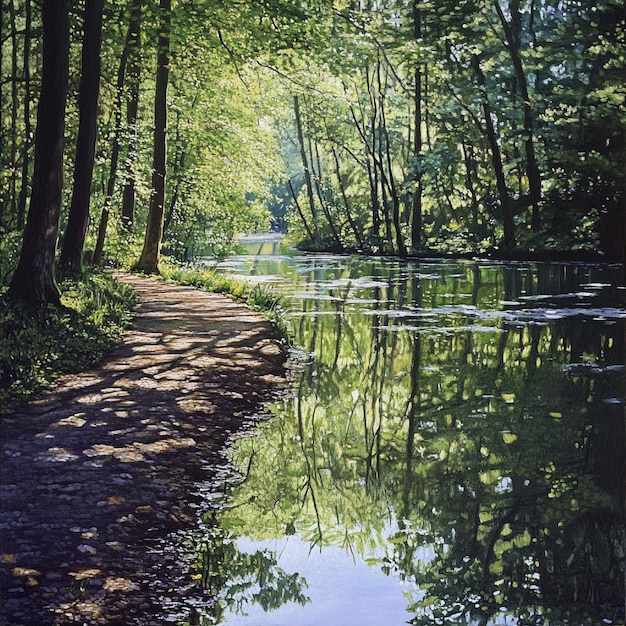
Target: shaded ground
point(99, 472)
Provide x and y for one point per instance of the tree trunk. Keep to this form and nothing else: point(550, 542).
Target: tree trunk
point(78, 219)
point(33, 281)
point(3, 219)
point(416, 209)
point(115, 148)
point(132, 113)
point(393, 190)
point(15, 107)
point(149, 259)
point(317, 176)
point(532, 169)
point(470, 172)
point(305, 165)
point(21, 201)
point(300, 213)
point(378, 158)
point(496, 160)
point(177, 177)
point(346, 203)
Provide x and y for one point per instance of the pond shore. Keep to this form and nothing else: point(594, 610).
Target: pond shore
point(100, 473)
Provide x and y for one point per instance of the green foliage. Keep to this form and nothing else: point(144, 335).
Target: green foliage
point(36, 347)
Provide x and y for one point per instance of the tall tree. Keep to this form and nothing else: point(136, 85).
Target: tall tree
point(128, 65)
point(33, 280)
point(514, 49)
point(78, 219)
point(149, 259)
point(305, 165)
point(416, 218)
point(496, 158)
point(132, 112)
point(21, 202)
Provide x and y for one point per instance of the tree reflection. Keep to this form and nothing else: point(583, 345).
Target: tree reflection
point(491, 444)
point(236, 580)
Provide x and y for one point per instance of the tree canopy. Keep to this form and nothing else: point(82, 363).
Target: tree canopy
point(389, 127)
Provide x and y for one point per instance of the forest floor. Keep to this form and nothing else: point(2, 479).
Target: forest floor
point(102, 473)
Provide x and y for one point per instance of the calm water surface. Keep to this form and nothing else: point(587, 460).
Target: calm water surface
point(452, 453)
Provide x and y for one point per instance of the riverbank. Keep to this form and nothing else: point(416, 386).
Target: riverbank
point(99, 473)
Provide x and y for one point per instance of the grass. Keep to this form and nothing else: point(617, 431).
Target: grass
point(36, 347)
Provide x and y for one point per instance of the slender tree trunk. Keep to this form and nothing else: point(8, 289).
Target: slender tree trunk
point(393, 191)
point(496, 160)
point(470, 170)
point(378, 158)
point(15, 108)
point(132, 113)
point(3, 219)
point(416, 216)
point(33, 280)
point(129, 48)
point(346, 203)
point(299, 209)
point(89, 90)
point(21, 201)
point(534, 177)
point(179, 167)
point(149, 259)
point(316, 169)
point(305, 165)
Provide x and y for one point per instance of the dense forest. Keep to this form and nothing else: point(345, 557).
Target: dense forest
point(401, 127)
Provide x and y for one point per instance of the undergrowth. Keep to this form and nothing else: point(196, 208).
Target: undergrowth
point(260, 297)
point(38, 346)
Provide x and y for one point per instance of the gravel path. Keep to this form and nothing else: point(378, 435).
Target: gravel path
point(98, 474)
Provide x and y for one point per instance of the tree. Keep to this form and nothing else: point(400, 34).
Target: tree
point(496, 158)
point(34, 280)
point(513, 46)
point(132, 112)
point(78, 219)
point(149, 259)
point(128, 66)
point(416, 219)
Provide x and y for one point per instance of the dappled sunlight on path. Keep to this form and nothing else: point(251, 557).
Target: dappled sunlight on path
point(99, 471)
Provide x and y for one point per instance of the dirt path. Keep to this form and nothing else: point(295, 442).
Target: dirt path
point(99, 472)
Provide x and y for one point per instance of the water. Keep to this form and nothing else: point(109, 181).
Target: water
point(452, 452)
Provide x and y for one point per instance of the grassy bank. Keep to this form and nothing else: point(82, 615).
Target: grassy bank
point(38, 347)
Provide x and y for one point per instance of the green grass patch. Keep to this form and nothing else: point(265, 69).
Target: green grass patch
point(260, 297)
point(38, 346)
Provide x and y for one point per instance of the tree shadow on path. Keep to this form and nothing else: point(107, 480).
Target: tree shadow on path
point(99, 472)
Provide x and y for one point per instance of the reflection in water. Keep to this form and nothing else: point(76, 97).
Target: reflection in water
point(458, 427)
